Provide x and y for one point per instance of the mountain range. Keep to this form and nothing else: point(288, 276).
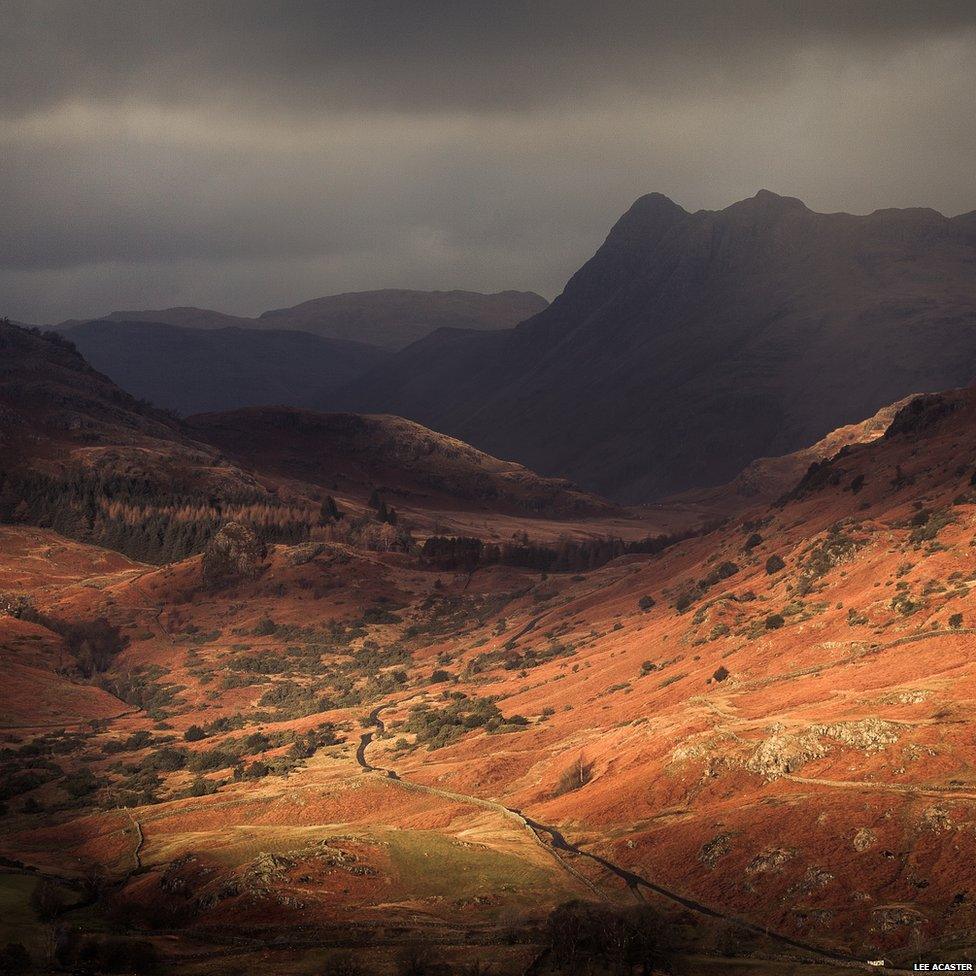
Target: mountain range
point(687, 347)
point(390, 318)
point(691, 344)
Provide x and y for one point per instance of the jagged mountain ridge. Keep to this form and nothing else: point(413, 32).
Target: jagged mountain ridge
point(693, 343)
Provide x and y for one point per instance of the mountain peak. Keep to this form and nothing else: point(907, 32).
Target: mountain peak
point(765, 201)
point(652, 213)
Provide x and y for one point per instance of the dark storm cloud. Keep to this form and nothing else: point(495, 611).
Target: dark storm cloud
point(424, 56)
point(249, 154)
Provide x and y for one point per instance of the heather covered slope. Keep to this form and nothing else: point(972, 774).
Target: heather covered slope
point(770, 724)
point(693, 343)
point(191, 370)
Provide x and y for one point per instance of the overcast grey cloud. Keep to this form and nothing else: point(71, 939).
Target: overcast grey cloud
point(251, 155)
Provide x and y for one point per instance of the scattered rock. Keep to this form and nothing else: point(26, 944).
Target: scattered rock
point(936, 819)
point(716, 848)
point(890, 917)
point(865, 839)
point(769, 861)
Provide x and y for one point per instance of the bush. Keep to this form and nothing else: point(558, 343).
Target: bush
point(955, 621)
point(194, 734)
point(645, 603)
point(202, 787)
point(754, 540)
point(266, 627)
point(774, 564)
point(774, 621)
point(167, 760)
point(722, 571)
point(80, 784)
point(209, 759)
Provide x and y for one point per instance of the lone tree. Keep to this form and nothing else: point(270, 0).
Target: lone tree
point(329, 512)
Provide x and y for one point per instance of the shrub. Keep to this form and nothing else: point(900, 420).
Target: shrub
point(927, 525)
point(645, 603)
point(202, 787)
point(774, 564)
point(200, 762)
point(265, 627)
point(721, 572)
point(955, 621)
point(774, 621)
point(754, 540)
point(167, 760)
point(194, 734)
point(80, 784)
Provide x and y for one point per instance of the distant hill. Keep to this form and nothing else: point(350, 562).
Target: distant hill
point(390, 318)
point(358, 453)
point(693, 343)
point(192, 318)
point(395, 318)
point(191, 370)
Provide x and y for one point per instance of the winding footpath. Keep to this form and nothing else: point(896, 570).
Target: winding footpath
point(557, 842)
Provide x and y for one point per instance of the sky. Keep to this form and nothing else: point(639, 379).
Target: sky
point(251, 155)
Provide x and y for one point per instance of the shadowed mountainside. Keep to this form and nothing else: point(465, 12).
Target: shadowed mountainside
point(693, 343)
point(191, 370)
point(358, 453)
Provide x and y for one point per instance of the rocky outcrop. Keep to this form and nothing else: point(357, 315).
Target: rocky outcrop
point(234, 554)
point(783, 752)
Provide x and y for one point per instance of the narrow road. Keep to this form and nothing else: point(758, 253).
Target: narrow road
point(375, 725)
point(559, 843)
